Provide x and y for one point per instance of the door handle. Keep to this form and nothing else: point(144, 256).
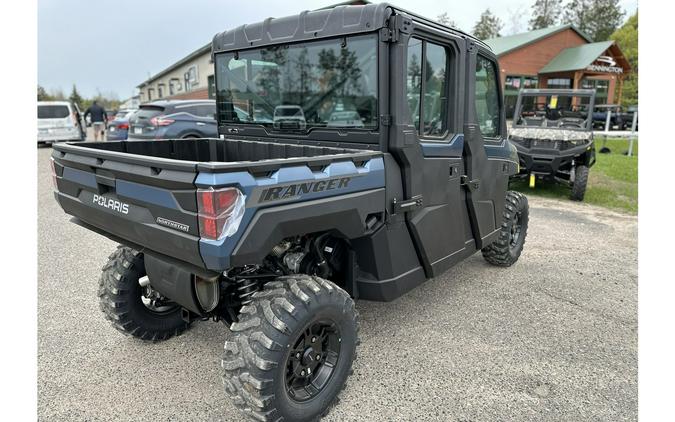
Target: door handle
point(201, 124)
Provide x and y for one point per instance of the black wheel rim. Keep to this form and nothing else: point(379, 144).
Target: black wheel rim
point(312, 360)
point(516, 228)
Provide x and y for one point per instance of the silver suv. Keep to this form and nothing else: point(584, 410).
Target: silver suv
point(59, 121)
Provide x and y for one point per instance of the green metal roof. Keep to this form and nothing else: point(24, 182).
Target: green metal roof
point(576, 58)
point(502, 45)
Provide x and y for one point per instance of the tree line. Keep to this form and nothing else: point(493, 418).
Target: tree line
point(601, 20)
point(109, 101)
point(598, 19)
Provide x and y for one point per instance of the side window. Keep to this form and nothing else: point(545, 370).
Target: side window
point(204, 110)
point(427, 87)
point(414, 80)
point(435, 92)
point(487, 97)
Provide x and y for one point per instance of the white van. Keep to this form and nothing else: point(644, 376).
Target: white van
point(59, 121)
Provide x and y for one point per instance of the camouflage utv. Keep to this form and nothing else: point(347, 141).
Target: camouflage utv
point(553, 132)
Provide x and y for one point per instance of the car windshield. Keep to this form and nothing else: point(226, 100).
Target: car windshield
point(301, 86)
point(53, 111)
point(564, 111)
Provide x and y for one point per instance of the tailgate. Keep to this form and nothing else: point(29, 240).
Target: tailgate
point(147, 201)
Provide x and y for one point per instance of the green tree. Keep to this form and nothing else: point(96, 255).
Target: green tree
point(488, 26)
point(75, 97)
point(444, 19)
point(545, 13)
point(626, 38)
point(597, 18)
point(57, 95)
point(42, 94)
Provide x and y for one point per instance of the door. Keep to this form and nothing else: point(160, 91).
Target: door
point(486, 151)
point(428, 145)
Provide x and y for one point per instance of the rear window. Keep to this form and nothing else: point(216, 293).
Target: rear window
point(147, 113)
point(288, 112)
point(199, 110)
point(53, 111)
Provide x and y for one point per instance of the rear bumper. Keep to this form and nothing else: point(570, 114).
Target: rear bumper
point(59, 135)
point(117, 135)
point(51, 140)
point(144, 232)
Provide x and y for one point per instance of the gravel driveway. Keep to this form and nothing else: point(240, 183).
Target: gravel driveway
point(552, 338)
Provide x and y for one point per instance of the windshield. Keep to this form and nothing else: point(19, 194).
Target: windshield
point(302, 86)
point(564, 111)
point(53, 111)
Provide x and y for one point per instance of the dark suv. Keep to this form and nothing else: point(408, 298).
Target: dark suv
point(174, 119)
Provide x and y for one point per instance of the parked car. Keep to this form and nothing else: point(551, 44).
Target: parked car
point(174, 119)
point(118, 128)
point(110, 115)
point(289, 117)
point(621, 119)
point(59, 121)
point(346, 119)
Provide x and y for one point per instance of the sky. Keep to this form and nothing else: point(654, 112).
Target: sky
point(111, 47)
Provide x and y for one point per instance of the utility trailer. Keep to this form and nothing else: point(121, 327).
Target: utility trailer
point(398, 170)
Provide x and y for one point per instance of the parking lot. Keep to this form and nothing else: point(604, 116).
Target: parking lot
point(552, 338)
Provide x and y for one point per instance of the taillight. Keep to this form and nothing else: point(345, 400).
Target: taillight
point(220, 212)
point(51, 164)
point(161, 121)
point(123, 126)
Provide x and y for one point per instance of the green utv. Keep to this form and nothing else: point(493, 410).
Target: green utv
point(362, 151)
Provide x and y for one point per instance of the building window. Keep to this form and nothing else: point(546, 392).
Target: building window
point(601, 87)
point(427, 96)
point(517, 82)
point(212, 86)
point(559, 83)
point(512, 85)
point(160, 91)
point(487, 97)
point(191, 78)
point(150, 92)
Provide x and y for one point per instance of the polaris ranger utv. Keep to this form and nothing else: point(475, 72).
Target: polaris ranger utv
point(553, 132)
point(396, 170)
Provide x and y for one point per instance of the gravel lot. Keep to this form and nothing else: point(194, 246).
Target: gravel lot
point(552, 338)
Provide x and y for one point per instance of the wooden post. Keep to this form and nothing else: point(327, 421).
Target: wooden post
point(576, 84)
point(620, 88)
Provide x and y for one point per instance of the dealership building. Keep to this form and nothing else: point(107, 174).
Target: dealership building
point(191, 78)
point(559, 57)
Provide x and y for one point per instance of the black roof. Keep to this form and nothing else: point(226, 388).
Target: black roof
point(322, 23)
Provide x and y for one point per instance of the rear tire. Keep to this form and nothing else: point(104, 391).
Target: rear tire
point(292, 349)
point(506, 250)
point(120, 297)
point(580, 183)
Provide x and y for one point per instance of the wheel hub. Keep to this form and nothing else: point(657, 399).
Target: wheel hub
point(312, 360)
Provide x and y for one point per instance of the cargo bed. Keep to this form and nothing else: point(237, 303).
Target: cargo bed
point(145, 192)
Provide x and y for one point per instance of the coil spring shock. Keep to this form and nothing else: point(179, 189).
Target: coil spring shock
point(245, 288)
